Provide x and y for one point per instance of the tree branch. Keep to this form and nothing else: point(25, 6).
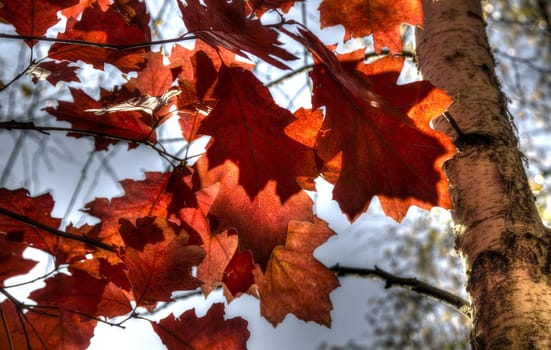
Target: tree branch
point(33, 223)
point(458, 303)
point(15, 125)
point(96, 44)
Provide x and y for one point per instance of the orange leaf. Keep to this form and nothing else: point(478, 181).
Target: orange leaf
point(261, 222)
point(159, 259)
point(219, 251)
point(294, 281)
point(378, 134)
point(211, 332)
point(378, 17)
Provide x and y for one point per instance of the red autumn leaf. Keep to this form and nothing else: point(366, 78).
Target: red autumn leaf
point(307, 126)
point(378, 17)
point(259, 7)
point(211, 332)
point(121, 24)
point(80, 292)
point(131, 125)
point(261, 222)
point(253, 136)
point(76, 10)
point(238, 276)
point(49, 328)
point(196, 101)
point(159, 194)
point(155, 78)
point(377, 143)
point(53, 72)
point(294, 281)
point(159, 259)
point(12, 262)
point(32, 18)
point(223, 23)
point(23, 229)
point(219, 251)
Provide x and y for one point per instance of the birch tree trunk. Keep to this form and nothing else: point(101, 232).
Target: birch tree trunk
point(499, 233)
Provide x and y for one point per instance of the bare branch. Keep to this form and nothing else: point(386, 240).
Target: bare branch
point(32, 223)
point(458, 303)
point(183, 37)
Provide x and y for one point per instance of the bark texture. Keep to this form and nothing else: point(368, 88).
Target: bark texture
point(499, 233)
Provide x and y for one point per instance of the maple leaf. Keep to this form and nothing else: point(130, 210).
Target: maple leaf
point(32, 18)
point(211, 332)
point(261, 222)
point(12, 262)
point(53, 72)
point(294, 281)
point(259, 7)
point(254, 136)
point(378, 17)
point(51, 328)
point(37, 210)
point(377, 140)
point(63, 318)
point(80, 292)
point(238, 275)
point(163, 195)
point(223, 23)
point(121, 24)
point(158, 259)
point(76, 10)
point(132, 125)
point(219, 251)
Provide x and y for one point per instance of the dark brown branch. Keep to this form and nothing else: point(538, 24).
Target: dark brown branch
point(33, 223)
point(15, 125)
point(458, 303)
point(96, 44)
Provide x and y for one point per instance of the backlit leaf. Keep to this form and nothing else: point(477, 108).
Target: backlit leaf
point(211, 332)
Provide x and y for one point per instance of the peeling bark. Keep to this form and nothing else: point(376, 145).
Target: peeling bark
point(499, 233)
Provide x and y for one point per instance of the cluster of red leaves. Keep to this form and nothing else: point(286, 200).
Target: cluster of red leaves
point(241, 213)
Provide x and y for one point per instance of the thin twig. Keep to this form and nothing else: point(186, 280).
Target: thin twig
point(458, 303)
point(33, 223)
point(96, 44)
point(9, 125)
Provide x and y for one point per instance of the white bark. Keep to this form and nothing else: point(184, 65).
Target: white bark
point(498, 229)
